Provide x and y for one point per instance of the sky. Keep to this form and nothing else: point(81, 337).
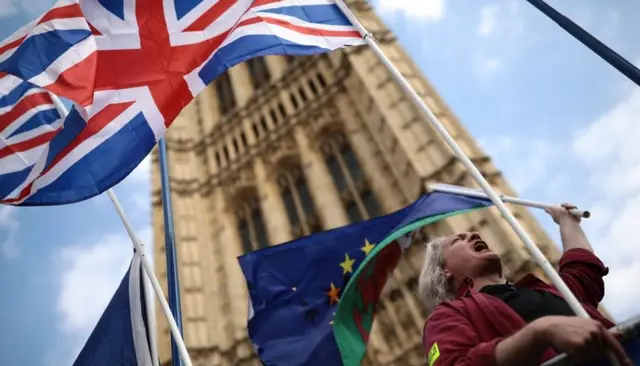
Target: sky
point(556, 119)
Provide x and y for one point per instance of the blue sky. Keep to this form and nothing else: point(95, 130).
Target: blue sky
point(558, 121)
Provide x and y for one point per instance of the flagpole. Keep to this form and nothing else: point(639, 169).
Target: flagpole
point(606, 53)
point(147, 268)
point(148, 304)
point(173, 282)
point(470, 192)
point(471, 168)
point(175, 332)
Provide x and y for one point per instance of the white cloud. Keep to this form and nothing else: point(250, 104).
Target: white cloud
point(142, 173)
point(140, 203)
point(488, 19)
point(8, 9)
point(88, 276)
point(9, 226)
point(607, 152)
point(609, 147)
point(500, 27)
point(417, 9)
point(526, 163)
point(501, 20)
point(485, 67)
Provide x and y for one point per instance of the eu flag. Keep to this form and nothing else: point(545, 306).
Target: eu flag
point(295, 288)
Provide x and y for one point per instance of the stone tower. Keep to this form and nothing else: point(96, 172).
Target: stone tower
point(281, 147)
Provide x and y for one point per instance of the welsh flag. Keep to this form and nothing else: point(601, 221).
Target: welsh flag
point(312, 300)
point(356, 311)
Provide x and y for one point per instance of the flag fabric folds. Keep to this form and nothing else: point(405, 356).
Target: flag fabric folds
point(29, 119)
point(130, 67)
point(312, 300)
point(121, 336)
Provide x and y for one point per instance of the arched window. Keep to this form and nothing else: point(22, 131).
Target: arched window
point(358, 199)
point(298, 202)
point(226, 99)
point(251, 227)
point(258, 71)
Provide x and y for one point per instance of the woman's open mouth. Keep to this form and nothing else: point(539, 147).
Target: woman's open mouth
point(480, 246)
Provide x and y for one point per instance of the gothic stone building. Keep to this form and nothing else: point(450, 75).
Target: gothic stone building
point(281, 147)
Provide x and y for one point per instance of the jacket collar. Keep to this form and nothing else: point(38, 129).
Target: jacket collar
point(465, 288)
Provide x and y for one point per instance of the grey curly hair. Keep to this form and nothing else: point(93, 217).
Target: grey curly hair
point(433, 285)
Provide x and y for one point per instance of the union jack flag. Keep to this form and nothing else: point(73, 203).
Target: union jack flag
point(29, 119)
point(131, 66)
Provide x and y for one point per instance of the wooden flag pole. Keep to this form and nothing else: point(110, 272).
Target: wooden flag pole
point(471, 168)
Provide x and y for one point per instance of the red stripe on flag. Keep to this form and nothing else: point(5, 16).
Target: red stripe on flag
point(63, 12)
point(28, 144)
point(257, 3)
point(22, 107)
point(12, 45)
point(313, 31)
point(77, 82)
point(94, 30)
point(95, 125)
point(210, 15)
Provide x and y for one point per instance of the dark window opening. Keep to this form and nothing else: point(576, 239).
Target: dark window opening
point(322, 81)
point(290, 206)
point(283, 112)
point(336, 173)
point(235, 146)
point(226, 99)
point(259, 228)
point(303, 95)
point(313, 88)
point(258, 71)
point(226, 152)
point(353, 212)
point(263, 123)
point(243, 138)
point(245, 235)
point(370, 204)
point(352, 164)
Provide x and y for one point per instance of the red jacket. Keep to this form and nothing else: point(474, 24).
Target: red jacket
point(466, 331)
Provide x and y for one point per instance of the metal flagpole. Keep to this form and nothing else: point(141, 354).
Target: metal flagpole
point(472, 192)
point(606, 53)
point(148, 271)
point(173, 282)
point(472, 169)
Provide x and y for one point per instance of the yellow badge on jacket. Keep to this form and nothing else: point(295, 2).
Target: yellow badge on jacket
point(434, 353)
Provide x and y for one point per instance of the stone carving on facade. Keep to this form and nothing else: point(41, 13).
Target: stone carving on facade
point(321, 123)
point(281, 150)
point(236, 181)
